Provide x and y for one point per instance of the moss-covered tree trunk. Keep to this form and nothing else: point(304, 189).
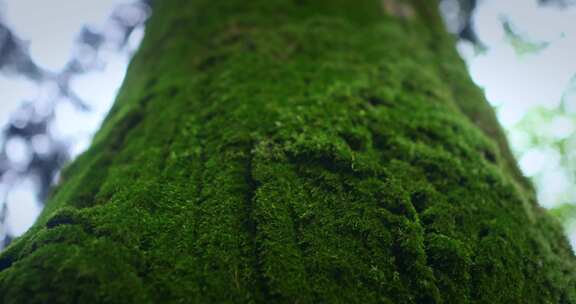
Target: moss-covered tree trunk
point(294, 151)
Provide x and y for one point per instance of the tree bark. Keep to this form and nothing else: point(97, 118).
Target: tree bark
point(298, 151)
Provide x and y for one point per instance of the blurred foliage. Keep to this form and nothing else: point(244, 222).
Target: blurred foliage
point(520, 43)
point(551, 130)
point(565, 212)
point(41, 152)
point(544, 138)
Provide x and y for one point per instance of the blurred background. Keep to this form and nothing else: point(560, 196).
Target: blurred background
point(62, 62)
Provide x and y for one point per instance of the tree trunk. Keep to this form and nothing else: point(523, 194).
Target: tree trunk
point(299, 151)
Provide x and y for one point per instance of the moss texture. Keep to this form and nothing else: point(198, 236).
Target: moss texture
point(293, 151)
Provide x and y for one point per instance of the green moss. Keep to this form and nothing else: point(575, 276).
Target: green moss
point(293, 151)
